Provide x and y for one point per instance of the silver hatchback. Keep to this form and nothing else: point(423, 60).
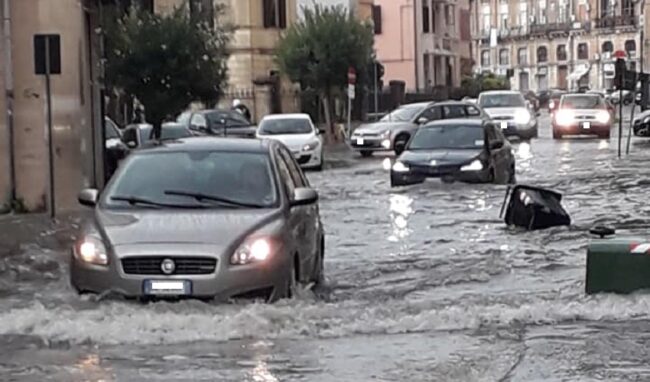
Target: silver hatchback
point(202, 217)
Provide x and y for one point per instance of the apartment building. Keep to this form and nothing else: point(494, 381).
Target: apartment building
point(562, 44)
point(425, 43)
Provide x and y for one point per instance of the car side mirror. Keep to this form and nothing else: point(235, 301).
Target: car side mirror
point(602, 231)
point(88, 197)
point(304, 196)
point(495, 145)
point(422, 120)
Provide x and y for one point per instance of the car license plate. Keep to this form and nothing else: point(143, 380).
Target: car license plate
point(504, 125)
point(360, 141)
point(167, 287)
point(586, 125)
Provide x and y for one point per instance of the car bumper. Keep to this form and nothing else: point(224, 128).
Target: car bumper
point(227, 281)
point(371, 144)
point(419, 175)
point(580, 129)
point(512, 129)
point(309, 159)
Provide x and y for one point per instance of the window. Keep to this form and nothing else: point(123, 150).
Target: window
point(523, 14)
point(583, 51)
point(294, 169)
point(630, 47)
point(454, 111)
point(522, 55)
point(628, 8)
point(376, 18)
point(563, 11)
point(487, 19)
point(450, 17)
point(503, 57)
point(434, 18)
point(202, 11)
point(275, 13)
point(198, 122)
point(542, 12)
point(503, 15)
point(608, 47)
point(426, 14)
point(542, 54)
point(472, 111)
point(285, 175)
point(432, 114)
point(485, 58)
point(561, 53)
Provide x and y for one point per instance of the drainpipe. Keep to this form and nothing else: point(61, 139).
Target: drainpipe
point(416, 53)
point(9, 96)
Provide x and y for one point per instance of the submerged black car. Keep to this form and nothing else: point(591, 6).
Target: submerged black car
point(464, 150)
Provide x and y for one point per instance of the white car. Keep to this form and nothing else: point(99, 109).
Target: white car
point(298, 133)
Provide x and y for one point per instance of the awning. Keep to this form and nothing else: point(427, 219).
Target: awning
point(579, 72)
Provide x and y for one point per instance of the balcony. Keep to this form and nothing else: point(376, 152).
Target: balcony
point(617, 22)
point(550, 27)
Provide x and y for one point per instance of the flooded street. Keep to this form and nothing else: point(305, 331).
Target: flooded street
point(424, 283)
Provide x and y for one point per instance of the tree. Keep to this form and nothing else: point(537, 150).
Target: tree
point(166, 61)
point(317, 51)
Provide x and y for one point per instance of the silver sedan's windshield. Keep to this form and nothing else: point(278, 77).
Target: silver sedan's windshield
point(195, 178)
point(502, 100)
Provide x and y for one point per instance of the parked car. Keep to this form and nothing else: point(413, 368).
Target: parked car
point(582, 114)
point(219, 123)
point(203, 218)
point(138, 136)
point(298, 133)
point(510, 111)
point(462, 149)
point(641, 124)
point(394, 130)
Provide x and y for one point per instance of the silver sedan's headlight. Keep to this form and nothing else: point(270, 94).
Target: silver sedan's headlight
point(253, 250)
point(522, 117)
point(91, 250)
point(310, 146)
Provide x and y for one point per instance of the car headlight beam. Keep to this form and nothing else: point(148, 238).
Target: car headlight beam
point(400, 167)
point(564, 117)
point(92, 250)
point(476, 165)
point(522, 117)
point(252, 251)
point(602, 117)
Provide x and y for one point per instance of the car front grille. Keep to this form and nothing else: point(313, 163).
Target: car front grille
point(151, 265)
point(365, 135)
point(585, 117)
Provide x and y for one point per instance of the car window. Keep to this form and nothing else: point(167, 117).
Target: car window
point(501, 100)
point(198, 121)
point(130, 136)
point(454, 111)
point(229, 118)
point(448, 137)
point(432, 114)
point(586, 101)
point(404, 113)
point(278, 126)
point(472, 111)
point(285, 175)
point(296, 174)
point(174, 132)
point(243, 177)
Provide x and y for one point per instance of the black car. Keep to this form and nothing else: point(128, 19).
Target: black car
point(641, 124)
point(473, 151)
point(139, 136)
point(219, 123)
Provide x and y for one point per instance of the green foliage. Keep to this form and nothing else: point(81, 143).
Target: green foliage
point(317, 51)
point(166, 61)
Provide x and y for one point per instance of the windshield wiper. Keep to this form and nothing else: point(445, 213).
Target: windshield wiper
point(133, 200)
point(214, 198)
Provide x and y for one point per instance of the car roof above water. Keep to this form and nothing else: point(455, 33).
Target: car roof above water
point(247, 145)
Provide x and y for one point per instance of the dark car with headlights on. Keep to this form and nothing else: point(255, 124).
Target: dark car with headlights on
point(394, 130)
point(582, 114)
point(472, 151)
point(202, 217)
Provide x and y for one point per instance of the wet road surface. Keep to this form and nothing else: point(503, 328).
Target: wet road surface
point(424, 284)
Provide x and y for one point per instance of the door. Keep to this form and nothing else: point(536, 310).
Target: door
point(498, 150)
point(309, 232)
point(524, 84)
point(562, 73)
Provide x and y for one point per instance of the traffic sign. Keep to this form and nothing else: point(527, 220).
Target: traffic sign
point(351, 91)
point(352, 76)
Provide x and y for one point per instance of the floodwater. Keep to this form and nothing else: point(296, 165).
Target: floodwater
point(424, 283)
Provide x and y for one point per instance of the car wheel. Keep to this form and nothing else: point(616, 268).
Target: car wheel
point(366, 153)
point(400, 143)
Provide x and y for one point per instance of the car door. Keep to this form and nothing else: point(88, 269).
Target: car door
point(295, 215)
point(498, 150)
point(308, 233)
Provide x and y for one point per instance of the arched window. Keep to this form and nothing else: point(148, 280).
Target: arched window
point(542, 54)
point(485, 58)
point(503, 57)
point(583, 51)
point(608, 47)
point(561, 52)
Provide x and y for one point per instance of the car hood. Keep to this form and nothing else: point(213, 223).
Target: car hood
point(502, 111)
point(294, 142)
point(442, 157)
point(216, 226)
point(379, 127)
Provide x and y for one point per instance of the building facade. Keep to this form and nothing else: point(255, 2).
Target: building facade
point(565, 44)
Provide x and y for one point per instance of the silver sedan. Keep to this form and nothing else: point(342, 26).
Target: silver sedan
point(202, 217)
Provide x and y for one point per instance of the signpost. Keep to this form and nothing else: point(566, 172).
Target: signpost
point(352, 80)
point(47, 61)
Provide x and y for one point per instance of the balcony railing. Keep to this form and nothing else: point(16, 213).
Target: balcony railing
point(617, 21)
point(550, 27)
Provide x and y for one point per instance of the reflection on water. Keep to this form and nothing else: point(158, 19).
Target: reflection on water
point(386, 164)
point(261, 373)
point(523, 156)
point(400, 210)
point(90, 365)
point(603, 144)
